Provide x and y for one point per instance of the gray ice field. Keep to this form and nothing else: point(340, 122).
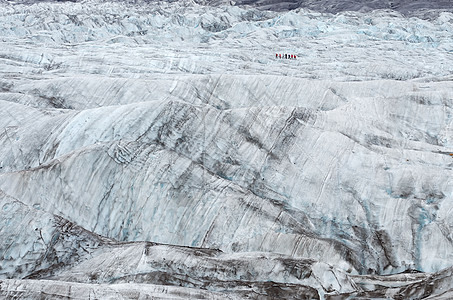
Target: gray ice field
point(159, 149)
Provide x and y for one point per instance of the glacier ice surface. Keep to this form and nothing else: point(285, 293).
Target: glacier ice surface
point(160, 150)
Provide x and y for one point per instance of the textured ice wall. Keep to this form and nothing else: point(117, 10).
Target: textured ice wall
point(364, 177)
point(173, 123)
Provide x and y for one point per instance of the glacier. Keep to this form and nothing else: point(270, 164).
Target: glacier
point(158, 149)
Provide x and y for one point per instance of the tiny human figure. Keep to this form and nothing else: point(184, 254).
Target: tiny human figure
point(286, 55)
point(276, 55)
point(279, 56)
point(291, 56)
point(295, 56)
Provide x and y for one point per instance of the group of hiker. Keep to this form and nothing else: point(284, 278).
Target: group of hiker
point(285, 56)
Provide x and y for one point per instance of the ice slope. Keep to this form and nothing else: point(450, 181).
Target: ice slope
point(277, 167)
point(173, 123)
point(50, 245)
point(33, 240)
